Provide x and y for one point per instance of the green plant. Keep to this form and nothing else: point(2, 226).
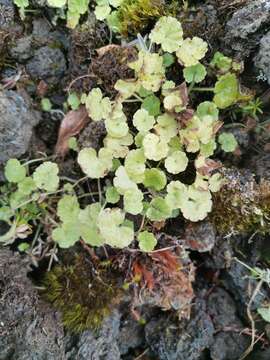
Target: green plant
point(143, 157)
point(75, 8)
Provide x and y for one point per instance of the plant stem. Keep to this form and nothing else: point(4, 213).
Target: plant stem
point(203, 89)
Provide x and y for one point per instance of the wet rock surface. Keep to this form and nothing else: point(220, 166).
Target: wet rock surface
point(16, 124)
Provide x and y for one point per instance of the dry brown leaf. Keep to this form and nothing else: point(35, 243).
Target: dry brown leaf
point(72, 124)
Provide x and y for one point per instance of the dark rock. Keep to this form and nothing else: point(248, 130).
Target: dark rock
point(221, 255)
point(200, 236)
point(16, 124)
point(22, 49)
point(261, 166)
point(239, 282)
point(130, 336)
point(29, 329)
point(229, 346)
point(242, 137)
point(229, 343)
point(7, 13)
point(102, 345)
point(262, 58)
point(44, 34)
point(47, 64)
point(244, 29)
point(171, 340)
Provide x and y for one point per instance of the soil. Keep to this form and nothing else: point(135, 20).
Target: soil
point(40, 58)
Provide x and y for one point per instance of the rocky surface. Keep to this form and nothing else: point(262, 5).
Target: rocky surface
point(262, 58)
point(17, 120)
point(47, 63)
point(29, 328)
point(7, 12)
point(244, 29)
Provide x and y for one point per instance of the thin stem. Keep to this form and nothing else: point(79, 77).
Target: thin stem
point(99, 191)
point(38, 160)
point(203, 89)
point(191, 87)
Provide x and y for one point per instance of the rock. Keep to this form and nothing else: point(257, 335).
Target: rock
point(130, 336)
point(22, 49)
point(7, 13)
point(170, 340)
point(44, 34)
point(262, 58)
point(243, 30)
point(229, 346)
point(221, 255)
point(16, 124)
point(102, 345)
point(238, 281)
point(260, 164)
point(200, 236)
point(30, 329)
point(47, 64)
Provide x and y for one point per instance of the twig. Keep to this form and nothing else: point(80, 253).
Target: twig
point(249, 314)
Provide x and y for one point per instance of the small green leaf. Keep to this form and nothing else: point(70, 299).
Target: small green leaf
point(147, 241)
point(112, 195)
point(159, 209)
point(73, 101)
point(222, 62)
point(14, 171)
point(23, 247)
point(27, 186)
point(168, 33)
point(46, 104)
point(133, 201)
point(154, 179)
point(93, 165)
point(208, 108)
point(228, 142)
point(192, 51)
point(67, 234)
point(68, 208)
point(152, 105)
point(46, 176)
point(177, 162)
point(143, 121)
point(73, 144)
point(168, 60)
point(195, 73)
point(226, 91)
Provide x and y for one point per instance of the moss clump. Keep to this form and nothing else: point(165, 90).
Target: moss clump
point(84, 294)
point(135, 15)
point(242, 205)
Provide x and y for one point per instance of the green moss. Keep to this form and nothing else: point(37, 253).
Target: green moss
point(242, 205)
point(136, 15)
point(84, 294)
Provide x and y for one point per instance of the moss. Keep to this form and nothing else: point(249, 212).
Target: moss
point(136, 15)
point(84, 294)
point(242, 205)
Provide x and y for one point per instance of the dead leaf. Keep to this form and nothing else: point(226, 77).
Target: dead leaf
point(210, 165)
point(72, 124)
point(101, 51)
point(42, 88)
